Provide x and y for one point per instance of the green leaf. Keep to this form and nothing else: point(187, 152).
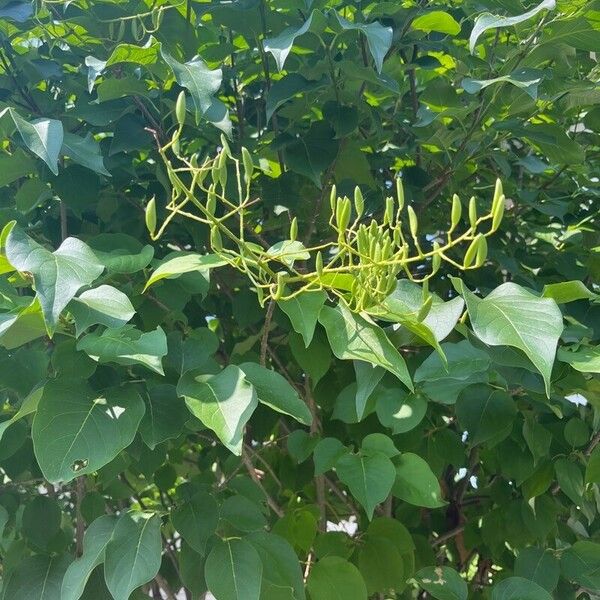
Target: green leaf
point(538, 565)
point(243, 514)
point(95, 540)
point(186, 263)
point(568, 291)
point(77, 430)
point(485, 413)
point(85, 152)
point(526, 79)
point(512, 316)
point(130, 53)
point(487, 21)
point(21, 325)
point(437, 20)
point(369, 476)
point(443, 383)
point(517, 588)
point(586, 359)
point(196, 520)
point(443, 583)
point(104, 305)
point(121, 253)
point(58, 275)
point(303, 312)
point(165, 415)
point(281, 45)
point(379, 38)
point(126, 346)
point(592, 471)
point(41, 522)
point(326, 454)
point(44, 137)
point(379, 442)
point(352, 337)
point(202, 83)
point(415, 482)
point(287, 88)
point(36, 578)
point(300, 445)
point(553, 141)
point(581, 564)
point(233, 571)
point(288, 252)
point(381, 565)
point(367, 378)
point(223, 402)
point(273, 390)
point(332, 578)
point(281, 576)
point(399, 411)
point(570, 479)
point(133, 555)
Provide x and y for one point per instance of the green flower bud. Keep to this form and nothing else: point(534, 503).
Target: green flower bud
point(482, 250)
point(471, 252)
point(319, 264)
point(248, 165)
point(359, 202)
point(498, 213)
point(456, 212)
point(400, 193)
point(216, 241)
point(180, 107)
point(413, 222)
point(150, 216)
point(294, 229)
point(473, 212)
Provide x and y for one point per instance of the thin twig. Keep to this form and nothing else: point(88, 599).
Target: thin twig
point(265, 336)
point(252, 472)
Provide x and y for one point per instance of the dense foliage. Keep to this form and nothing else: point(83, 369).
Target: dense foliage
point(225, 367)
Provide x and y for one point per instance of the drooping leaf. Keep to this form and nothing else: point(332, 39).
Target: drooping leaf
point(526, 79)
point(369, 476)
point(512, 316)
point(133, 554)
point(77, 430)
point(487, 21)
point(202, 83)
point(95, 540)
point(21, 325)
point(353, 338)
point(273, 390)
point(281, 45)
point(57, 275)
point(44, 137)
point(126, 346)
point(326, 454)
point(85, 152)
point(303, 312)
point(379, 38)
point(367, 378)
point(233, 570)
point(223, 402)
